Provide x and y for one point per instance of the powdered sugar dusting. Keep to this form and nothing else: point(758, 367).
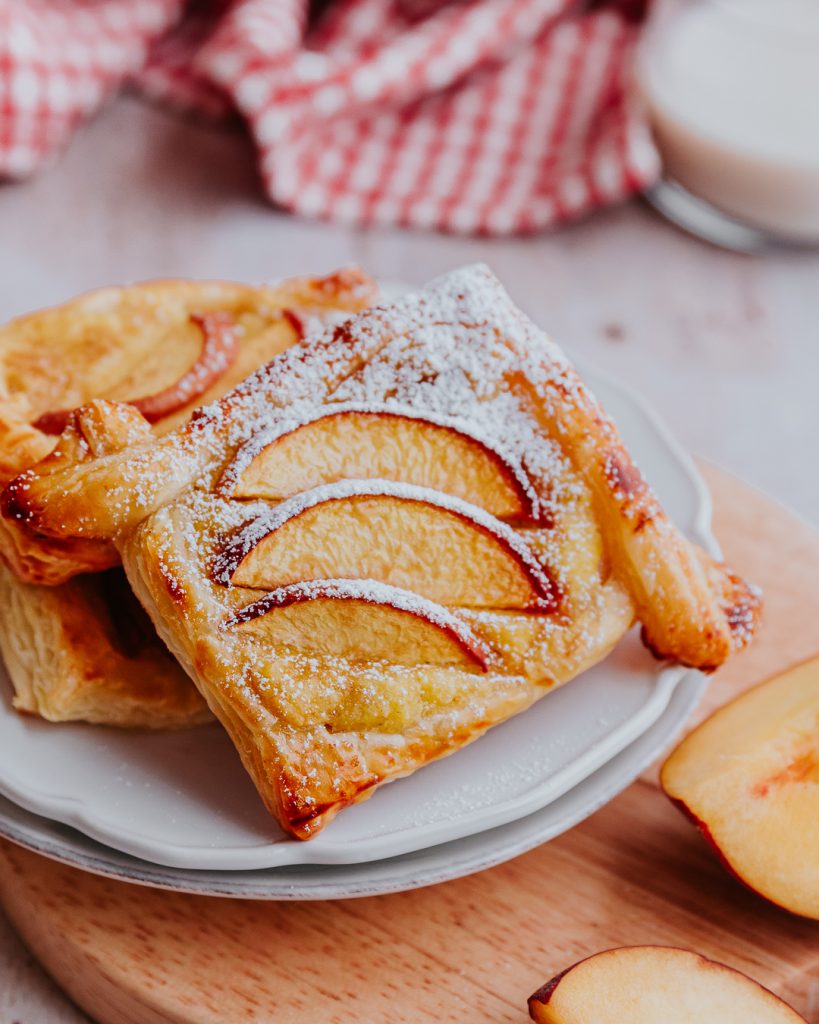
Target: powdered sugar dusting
point(449, 353)
point(324, 725)
point(444, 350)
point(463, 372)
point(266, 523)
point(370, 591)
point(468, 428)
point(454, 354)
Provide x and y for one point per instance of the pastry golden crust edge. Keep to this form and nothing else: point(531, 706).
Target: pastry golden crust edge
point(40, 555)
point(55, 630)
point(65, 665)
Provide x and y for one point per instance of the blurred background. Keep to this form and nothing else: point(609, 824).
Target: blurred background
point(567, 145)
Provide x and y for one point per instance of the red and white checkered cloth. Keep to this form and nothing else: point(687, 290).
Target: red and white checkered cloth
point(480, 116)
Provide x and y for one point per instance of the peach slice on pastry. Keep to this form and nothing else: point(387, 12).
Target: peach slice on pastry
point(220, 347)
point(361, 620)
point(369, 442)
point(412, 537)
point(748, 777)
point(656, 985)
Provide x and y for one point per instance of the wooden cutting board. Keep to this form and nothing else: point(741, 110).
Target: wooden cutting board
point(470, 950)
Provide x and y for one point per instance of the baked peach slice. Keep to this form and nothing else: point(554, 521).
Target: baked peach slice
point(367, 442)
point(410, 537)
point(749, 779)
point(362, 620)
point(656, 985)
point(220, 347)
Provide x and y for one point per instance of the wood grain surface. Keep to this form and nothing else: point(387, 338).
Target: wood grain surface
point(470, 950)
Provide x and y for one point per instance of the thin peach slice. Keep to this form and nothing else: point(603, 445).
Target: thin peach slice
point(410, 537)
point(363, 621)
point(220, 347)
point(656, 985)
point(368, 442)
point(749, 779)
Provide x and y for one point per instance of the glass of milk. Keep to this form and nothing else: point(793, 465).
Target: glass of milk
point(732, 90)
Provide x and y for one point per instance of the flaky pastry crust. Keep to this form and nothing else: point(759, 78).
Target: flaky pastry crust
point(86, 651)
point(316, 732)
point(79, 649)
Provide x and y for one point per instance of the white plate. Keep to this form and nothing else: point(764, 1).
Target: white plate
point(435, 864)
point(183, 800)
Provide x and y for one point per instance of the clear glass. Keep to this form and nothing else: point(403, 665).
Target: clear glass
point(732, 90)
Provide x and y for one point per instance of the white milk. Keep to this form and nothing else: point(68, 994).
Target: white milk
point(732, 88)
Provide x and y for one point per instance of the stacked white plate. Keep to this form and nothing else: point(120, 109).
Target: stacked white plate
point(177, 810)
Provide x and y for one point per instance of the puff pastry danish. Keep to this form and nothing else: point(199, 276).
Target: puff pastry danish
point(84, 649)
point(389, 539)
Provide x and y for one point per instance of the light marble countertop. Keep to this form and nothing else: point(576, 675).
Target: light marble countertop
point(726, 347)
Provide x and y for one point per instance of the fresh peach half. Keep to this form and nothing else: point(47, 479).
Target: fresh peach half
point(362, 620)
point(359, 442)
point(749, 779)
point(656, 985)
point(410, 537)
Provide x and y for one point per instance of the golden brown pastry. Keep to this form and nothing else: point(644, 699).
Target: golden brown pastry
point(165, 348)
point(86, 651)
point(390, 539)
point(83, 649)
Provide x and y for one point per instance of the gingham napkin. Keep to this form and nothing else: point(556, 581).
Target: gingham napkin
point(489, 116)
